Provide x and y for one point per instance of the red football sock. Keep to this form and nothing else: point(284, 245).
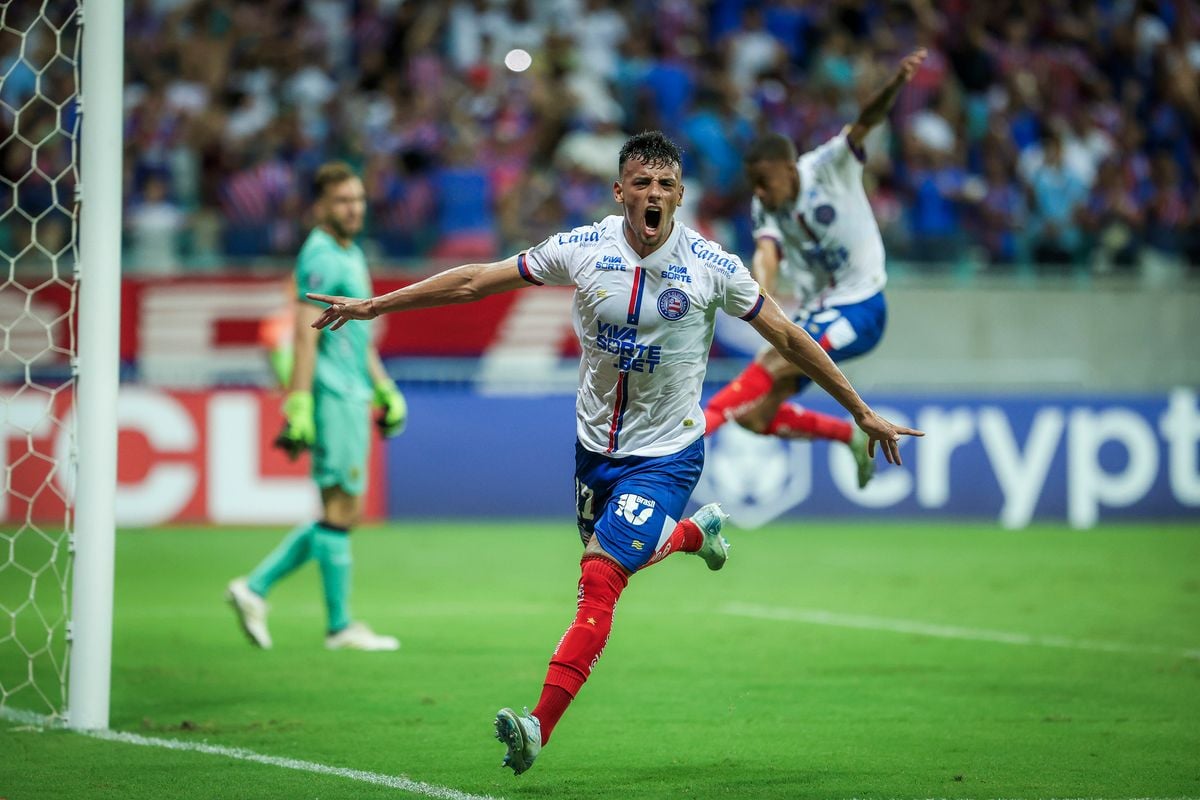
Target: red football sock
point(738, 396)
point(550, 708)
point(579, 649)
point(686, 538)
point(794, 422)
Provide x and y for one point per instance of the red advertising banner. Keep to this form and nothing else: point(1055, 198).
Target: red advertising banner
point(183, 456)
point(210, 330)
point(227, 313)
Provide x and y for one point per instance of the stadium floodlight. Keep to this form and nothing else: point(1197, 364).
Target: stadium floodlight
point(60, 229)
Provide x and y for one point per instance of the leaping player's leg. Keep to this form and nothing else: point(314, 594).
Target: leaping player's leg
point(601, 582)
point(628, 510)
point(738, 396)
point(756, 398)
point(844, 332)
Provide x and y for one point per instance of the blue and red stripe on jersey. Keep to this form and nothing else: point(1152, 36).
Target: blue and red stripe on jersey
point(523, 268)
point(618, 416)
point(635, 296)
point(752, 313)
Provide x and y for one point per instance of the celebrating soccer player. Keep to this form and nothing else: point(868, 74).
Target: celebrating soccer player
point(817, 240)
point(334, 379)
point(647, 289)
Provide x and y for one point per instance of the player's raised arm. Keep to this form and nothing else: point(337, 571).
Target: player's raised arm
point(463, 284)
point(799, 348)
point(764, 264)
point(878, 106)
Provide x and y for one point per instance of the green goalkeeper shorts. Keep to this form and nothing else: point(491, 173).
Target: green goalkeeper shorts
point(343, 442)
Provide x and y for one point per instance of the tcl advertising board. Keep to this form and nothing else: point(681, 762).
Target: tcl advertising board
point(202, 456)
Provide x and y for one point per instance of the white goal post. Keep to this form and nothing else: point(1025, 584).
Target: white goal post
point(61, 76)
point(99, 273)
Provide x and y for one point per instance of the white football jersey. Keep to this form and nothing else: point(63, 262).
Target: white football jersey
point(829, 239)
point(645, 326)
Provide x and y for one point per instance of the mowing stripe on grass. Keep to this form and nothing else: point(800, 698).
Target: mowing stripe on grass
point(392, 781)
point(832, 618)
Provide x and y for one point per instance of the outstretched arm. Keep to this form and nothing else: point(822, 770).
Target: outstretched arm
point(878, 107)
point(764, 265)
point(458, 285)
point(799, 348)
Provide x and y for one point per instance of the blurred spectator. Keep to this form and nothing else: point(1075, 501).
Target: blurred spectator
point(970, 52)
point(230, 106)
point(667, 90)
point(752, 50)
point(1058, 196)
point(154, 224)
point(936, 191)
point(714, 137)
point(1168, 213)
point(1001, 213)
point(260, 205)
point(590, 148)
point(1113, 220)
point(1085, 144)
point(464, 218)
point(598, 35)
point(400, 205)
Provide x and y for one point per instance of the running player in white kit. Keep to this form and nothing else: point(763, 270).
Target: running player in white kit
point(816, 241)
point(647, 290)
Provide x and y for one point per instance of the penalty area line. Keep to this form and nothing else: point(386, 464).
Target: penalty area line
point(391, 781)
point(833, 619)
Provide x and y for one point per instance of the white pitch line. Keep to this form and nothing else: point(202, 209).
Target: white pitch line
point(391, 781)
point(834, 619)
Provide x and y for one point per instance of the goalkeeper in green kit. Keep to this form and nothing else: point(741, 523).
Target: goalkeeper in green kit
point(335, 377)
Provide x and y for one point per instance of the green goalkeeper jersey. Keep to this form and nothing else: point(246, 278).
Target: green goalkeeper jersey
point(326, 267)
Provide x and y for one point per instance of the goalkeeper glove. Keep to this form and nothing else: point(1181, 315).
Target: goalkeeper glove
point(300, 427)
point(393, 409)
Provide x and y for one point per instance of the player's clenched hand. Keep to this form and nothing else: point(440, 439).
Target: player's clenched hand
point(886, 434)
point(342, 309)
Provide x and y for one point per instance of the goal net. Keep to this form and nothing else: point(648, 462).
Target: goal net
point(39, 137)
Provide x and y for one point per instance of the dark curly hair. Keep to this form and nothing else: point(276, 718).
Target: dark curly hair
point(652, 148)
point(772, 147)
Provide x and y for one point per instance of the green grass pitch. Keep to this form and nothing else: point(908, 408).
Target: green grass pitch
point(910, 691)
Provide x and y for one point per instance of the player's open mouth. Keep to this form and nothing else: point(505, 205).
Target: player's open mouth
point(653, 219)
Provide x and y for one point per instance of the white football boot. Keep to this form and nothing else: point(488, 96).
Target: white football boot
point(251, 612)
point(715, 550)
point(866, 464)
point(357, 636)
point(522, 735)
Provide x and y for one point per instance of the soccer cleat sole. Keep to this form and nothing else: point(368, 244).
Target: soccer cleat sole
point(508, 731)
point(715, 559)
point(715, 550)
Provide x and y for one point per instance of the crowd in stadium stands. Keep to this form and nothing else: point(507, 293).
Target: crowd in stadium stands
point(1062, 132)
